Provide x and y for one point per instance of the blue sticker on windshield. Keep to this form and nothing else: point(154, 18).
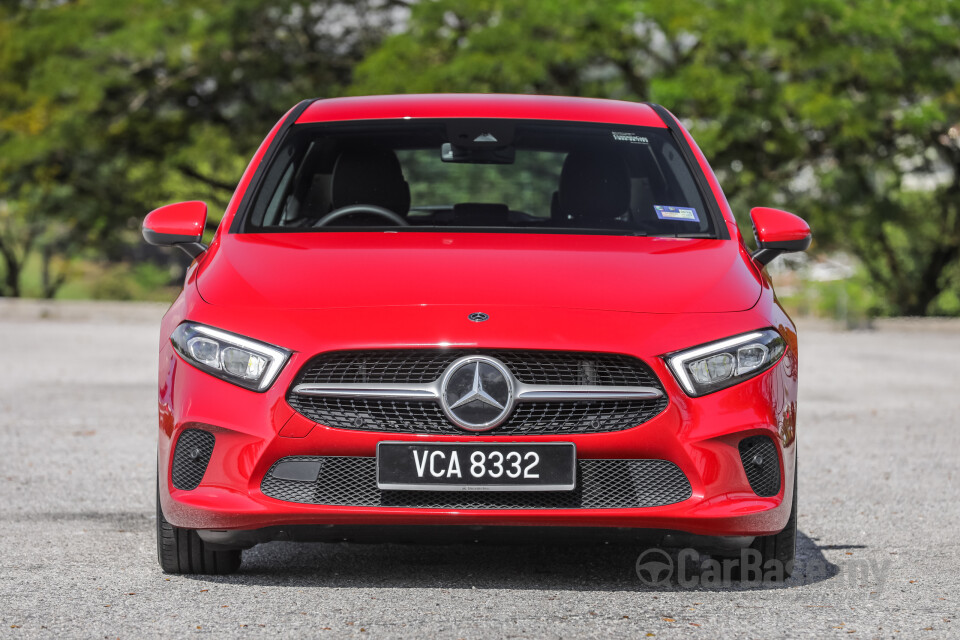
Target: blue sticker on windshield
point(686, 214)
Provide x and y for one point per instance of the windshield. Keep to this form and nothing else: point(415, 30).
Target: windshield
point(477, 175)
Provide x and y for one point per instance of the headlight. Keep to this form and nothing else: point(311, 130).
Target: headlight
point(242, 361)
point(711, 367)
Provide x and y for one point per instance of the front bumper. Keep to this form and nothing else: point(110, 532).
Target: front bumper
point(699, 435)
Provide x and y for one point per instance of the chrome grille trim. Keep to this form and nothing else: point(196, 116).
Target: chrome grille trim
point(554, 392)
point(523, 393)
point(371, 390)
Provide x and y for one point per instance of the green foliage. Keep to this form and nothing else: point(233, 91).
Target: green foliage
point(143, 281)
point(109, 109)
point(851, 302)
point(846, 112)
point(91, 277)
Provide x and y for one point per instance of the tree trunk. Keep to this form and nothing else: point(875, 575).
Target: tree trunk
point(51, 282)
point(11, 279)
point(929, 285)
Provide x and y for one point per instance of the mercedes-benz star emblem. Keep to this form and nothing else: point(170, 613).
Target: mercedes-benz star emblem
point(479, 316)
point(476, 393)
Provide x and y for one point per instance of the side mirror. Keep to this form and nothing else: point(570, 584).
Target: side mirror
point(778, 232)
point(177, 225)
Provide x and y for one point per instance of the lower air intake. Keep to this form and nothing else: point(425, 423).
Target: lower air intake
point(190, 458)
point(601, 484)
point(759, 457)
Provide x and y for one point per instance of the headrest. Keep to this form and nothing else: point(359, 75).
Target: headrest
point(594, 187)
point(370, 176)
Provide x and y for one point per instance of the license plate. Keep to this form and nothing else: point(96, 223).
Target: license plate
point(491, 466)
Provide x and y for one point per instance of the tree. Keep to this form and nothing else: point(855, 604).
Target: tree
point(108, 109)
point(846, 112)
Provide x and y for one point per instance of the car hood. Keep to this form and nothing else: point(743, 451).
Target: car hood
point(323, 270)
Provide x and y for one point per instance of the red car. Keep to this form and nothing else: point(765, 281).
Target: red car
point(475, 315)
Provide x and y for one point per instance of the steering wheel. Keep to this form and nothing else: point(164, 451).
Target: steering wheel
point(361, 208)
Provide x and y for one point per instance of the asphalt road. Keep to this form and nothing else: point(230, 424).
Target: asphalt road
point(879, 432)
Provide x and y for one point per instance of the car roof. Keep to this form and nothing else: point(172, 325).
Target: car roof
point(481, 105)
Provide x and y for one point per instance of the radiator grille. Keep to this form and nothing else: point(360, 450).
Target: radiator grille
point(426, 365)
point(601, 484)
point(530, 367)
point(401, 416)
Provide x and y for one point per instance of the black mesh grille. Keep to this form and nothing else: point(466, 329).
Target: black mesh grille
point(601, 484)
point(530, 367)
point(426, 365)
point(190, 458)
point(759, 457)
point(426, 417)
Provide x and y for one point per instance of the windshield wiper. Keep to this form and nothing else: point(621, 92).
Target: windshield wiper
point(699, 234)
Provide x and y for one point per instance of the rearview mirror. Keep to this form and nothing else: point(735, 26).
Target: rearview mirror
point(477, 155)
point(777, 232)
point(177, 225)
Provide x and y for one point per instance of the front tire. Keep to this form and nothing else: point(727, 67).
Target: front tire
point(183, 551)
point(781, 547)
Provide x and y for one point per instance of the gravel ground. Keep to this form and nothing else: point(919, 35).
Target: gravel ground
point(878, 549)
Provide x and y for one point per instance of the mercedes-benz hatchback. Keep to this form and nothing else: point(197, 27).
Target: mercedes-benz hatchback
point(450, 316)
